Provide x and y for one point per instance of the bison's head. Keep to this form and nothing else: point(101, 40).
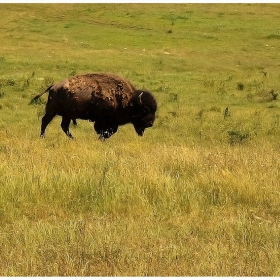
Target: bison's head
point(143, 111)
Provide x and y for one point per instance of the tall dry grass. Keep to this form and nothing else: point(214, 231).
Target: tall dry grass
point(135, 208)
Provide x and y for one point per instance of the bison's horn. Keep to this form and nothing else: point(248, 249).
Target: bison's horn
point(139, 98)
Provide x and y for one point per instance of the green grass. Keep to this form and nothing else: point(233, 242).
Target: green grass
point(197, 195)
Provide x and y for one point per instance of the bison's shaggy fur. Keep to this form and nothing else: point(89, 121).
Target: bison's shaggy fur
point(105, 99)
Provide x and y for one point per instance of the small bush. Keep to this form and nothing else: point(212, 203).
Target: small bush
point(240, 86)
point(236, 136)
point(274, 94)
point(7, 82)
point(173, 97)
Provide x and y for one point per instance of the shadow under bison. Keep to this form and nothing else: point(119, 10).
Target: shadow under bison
point(105, 99)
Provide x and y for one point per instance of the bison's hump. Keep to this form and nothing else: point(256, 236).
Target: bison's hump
point(113, 89)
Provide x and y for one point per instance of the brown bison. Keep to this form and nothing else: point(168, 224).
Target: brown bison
point(105, 99)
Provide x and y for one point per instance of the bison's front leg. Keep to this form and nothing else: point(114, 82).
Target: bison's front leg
point(65, 126)
point(106, 133)
point(104, 130)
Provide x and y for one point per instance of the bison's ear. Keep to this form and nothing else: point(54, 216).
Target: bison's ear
point(139, 100)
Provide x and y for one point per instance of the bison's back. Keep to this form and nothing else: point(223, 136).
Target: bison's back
point(104, 88)
point(91, 96)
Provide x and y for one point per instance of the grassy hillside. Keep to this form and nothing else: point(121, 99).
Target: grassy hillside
point(197, 195)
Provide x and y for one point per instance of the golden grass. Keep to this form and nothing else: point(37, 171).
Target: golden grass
point(81, 208)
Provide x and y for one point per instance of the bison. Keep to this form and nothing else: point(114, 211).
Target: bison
point(105, 99)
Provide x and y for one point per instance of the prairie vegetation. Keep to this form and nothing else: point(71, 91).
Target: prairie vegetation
point(197, 195)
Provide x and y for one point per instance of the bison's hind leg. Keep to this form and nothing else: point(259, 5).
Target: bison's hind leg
point(65, 126)
point(45, 121)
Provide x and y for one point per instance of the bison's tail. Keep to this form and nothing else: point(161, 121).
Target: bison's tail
point(33, 100)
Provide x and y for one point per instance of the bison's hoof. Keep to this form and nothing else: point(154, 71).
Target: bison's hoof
point(101, 138)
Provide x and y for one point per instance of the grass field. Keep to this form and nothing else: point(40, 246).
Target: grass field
point(197, 195)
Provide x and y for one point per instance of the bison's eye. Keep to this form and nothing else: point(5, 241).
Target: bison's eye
point(146, 110)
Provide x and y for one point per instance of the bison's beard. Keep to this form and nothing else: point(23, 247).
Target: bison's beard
point(140, 126)
point(139, 129)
